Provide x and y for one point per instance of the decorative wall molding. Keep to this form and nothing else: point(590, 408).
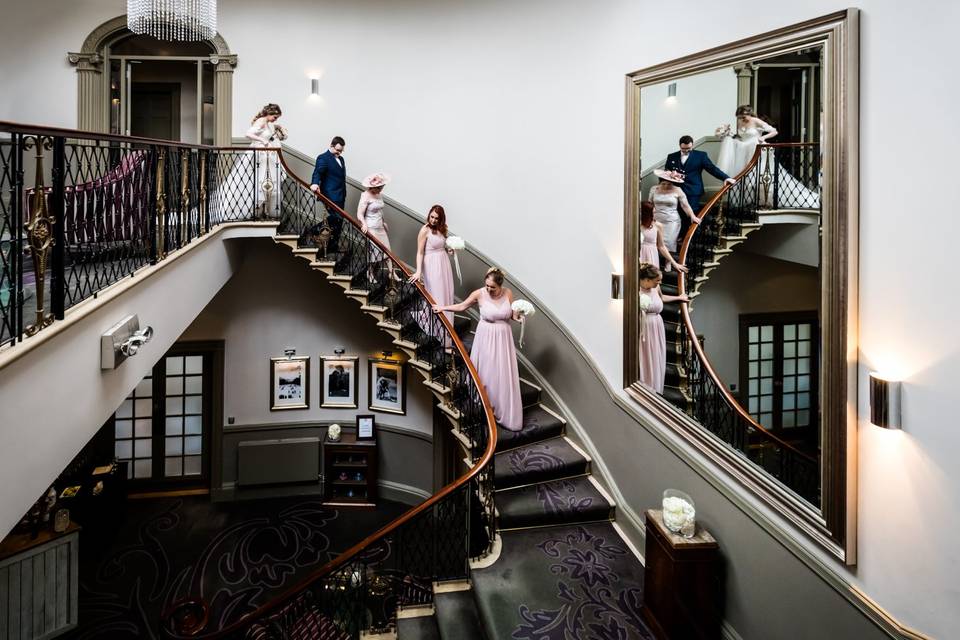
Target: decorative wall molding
point(234, 429)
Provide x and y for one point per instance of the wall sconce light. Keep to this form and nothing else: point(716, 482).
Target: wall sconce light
point(315, 86)
point(672, 90)
point(884, 402)
point(387, 354)
point(616, 286)
point(289, 352)
point(122, 341)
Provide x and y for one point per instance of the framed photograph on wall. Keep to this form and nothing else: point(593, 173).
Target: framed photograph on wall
point(290, 383)
point(387, 386)
point(339, 384)
point(366, 427)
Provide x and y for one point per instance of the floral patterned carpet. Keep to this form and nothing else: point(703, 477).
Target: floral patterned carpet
point(236, 555)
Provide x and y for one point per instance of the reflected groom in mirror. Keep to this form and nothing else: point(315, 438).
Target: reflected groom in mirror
point(692, 163)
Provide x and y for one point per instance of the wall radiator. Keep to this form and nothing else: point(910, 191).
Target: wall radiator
point(278, 461)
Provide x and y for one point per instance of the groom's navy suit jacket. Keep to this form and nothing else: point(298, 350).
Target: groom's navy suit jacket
point(331, 177)
point(697, 163)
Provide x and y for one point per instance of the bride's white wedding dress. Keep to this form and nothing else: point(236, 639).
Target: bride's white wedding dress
point(734, 155)
point(247, 186)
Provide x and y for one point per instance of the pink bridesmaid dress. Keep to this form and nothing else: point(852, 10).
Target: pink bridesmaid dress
point(495, 358)
point(437, 274)
point(653, 343)
point(648, 246)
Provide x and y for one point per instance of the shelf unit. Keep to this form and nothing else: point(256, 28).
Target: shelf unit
point(350, 472)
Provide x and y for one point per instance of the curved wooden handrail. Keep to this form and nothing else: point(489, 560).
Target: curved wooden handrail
point(301, 585)
point(685, 309)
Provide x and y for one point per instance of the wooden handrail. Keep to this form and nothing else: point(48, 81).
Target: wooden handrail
point(409, 515)
point(685, 310)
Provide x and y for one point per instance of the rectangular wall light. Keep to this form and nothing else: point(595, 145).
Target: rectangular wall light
point(616, 286)
point(314, 86)
point(884, 402)
point(672, 90)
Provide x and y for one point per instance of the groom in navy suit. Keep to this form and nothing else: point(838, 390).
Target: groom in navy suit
point(692, 164)
point(330, 179)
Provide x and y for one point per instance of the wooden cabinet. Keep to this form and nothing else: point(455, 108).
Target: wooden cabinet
point(681, 586)
point(350, 472)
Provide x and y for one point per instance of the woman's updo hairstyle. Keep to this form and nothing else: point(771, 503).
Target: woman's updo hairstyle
point(745, 110)
point(496, 274)
point(648, 271)
point(270, 109)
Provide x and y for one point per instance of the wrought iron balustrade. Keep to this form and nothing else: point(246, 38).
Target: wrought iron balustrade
point(778, 177)
point(81, 211)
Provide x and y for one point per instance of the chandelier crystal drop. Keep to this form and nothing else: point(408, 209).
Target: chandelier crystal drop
point(173, 19)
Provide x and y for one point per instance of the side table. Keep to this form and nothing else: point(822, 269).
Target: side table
point(680, 582)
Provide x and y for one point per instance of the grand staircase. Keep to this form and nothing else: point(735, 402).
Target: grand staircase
point(558, 561)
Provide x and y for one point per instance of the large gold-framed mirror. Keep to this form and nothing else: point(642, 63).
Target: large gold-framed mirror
point(741, 191)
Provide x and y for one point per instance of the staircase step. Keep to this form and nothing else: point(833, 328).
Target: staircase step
point(457, 616)
point(539, 462)
point(462, 324)
point(525, 594)
point(418, 628)
point(529, 393)
point(675, 396)
point(538, 424)
point(550, 503)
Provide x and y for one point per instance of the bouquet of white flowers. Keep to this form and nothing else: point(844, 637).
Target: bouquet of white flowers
point(524, 309)
point(455, 244)
point(723, 131)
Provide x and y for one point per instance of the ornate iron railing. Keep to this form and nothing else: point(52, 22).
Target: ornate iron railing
point(778, 176)
point(100, 207)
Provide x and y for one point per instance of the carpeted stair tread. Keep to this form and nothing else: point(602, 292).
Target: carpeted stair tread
point(529, 393)
point(549, 583)
point(538, 424)
point(462, 325)
point(538, 462)
point(457, 616)
point(565, 501)
point(419, 628)
point(675, 397)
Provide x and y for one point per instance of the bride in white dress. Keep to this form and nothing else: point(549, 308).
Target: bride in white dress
point(236, 190)
point(736, 153)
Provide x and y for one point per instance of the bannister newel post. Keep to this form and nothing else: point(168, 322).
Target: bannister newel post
point(184, 217)
point(203, 218)
point(57, 266)
point(39, 231)
point(160, 214)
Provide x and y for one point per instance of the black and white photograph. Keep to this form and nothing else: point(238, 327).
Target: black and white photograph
point(387, 386)
point(338, 382)
point(290, 383)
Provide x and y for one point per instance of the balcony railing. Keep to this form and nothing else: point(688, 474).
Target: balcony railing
point(81, 211)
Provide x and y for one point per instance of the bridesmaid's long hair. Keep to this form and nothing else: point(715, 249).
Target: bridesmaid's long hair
point(441, 219)
point(270, 109)
point(496, 274)
point(646, 214)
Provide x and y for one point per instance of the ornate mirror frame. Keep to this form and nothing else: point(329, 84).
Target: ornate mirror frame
point(834, 525)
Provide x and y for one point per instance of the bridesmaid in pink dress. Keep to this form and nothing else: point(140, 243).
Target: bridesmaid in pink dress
point(651, 239)
point(653, 341)
point(493, 352)
point(433, 261)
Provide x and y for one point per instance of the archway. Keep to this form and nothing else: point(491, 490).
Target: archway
point(94, 85)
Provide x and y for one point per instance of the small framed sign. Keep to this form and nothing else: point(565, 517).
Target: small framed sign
point(366, 427)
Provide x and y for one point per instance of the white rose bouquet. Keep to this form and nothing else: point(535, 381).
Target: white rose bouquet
point(645, 302)
point(723, 131)
point(679, 516)
point(524, 309)
point(455, 244)
point(333, 432)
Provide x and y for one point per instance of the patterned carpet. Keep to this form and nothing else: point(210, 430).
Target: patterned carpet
point(236, 555)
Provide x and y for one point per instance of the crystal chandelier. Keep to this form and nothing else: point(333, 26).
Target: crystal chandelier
point(173, 19)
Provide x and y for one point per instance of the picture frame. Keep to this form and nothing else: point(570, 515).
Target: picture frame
point(339, 382)
point(289, 383)
point(366, 427)
point(387, 386)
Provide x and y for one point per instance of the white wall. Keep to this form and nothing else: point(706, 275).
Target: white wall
point(703, 103)
point(511, 115)
point(277, 301)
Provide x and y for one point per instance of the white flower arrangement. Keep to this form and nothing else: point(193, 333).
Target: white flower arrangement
point(455, 244)
point(333, 432)
point(645, 302)
point(525, 310)
point(723, 131)
point(679, 516)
